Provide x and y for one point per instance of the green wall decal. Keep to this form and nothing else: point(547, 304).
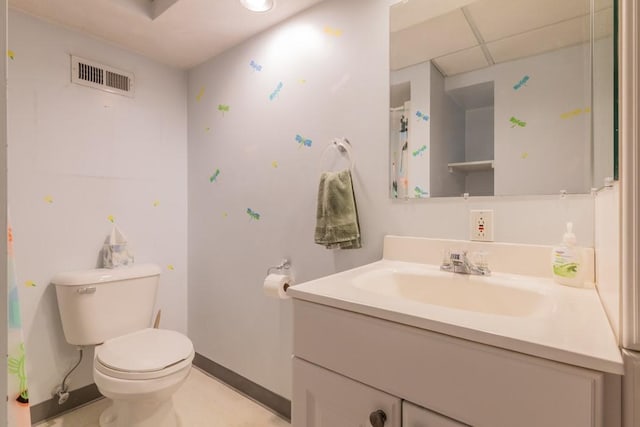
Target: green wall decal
point(515, 122)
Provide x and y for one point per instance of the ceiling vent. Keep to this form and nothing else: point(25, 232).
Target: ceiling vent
point(99, 76)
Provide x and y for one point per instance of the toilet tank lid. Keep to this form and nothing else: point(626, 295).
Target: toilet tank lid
point(104, 275)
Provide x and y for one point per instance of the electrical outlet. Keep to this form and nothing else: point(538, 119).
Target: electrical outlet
point(481, 226)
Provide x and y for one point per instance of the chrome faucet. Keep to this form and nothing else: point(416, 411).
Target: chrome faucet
point(459, 262)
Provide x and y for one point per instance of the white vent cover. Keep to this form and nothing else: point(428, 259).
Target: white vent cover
point(99, 76)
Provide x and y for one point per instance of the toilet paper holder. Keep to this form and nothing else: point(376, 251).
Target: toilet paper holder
point(282, 268)
point(284, 265)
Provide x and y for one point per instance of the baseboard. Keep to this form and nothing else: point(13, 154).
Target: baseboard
point(278, 404)
point(50, 408)
point(271, 400)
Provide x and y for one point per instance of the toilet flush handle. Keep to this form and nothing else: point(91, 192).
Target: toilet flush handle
point(87, 290)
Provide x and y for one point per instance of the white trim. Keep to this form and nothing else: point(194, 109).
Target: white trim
point(629, 121)
point(3, 207)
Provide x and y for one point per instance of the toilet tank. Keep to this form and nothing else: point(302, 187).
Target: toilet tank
point(96, 305)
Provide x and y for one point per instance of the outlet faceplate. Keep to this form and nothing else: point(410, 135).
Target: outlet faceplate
point(481, 229)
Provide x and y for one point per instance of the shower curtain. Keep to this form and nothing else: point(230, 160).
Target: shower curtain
point(399, 145)
point(18, 412)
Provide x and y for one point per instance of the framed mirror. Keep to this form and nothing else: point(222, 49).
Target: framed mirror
point(500, 97)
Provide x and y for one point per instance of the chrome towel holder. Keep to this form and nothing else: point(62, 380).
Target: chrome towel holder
point(343, 146)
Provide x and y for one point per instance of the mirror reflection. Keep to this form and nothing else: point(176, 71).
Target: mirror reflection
point(494, 97)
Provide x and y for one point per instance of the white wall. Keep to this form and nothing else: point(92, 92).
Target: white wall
point(78, 155)
point(553, 140)
point(332, 86)
point(607, 250)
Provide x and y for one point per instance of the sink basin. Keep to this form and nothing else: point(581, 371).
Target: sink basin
point(461, 292)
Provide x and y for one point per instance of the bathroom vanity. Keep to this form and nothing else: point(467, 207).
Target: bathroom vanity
point(400, 343)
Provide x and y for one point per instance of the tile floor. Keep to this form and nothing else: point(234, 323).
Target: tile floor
point(202, 401)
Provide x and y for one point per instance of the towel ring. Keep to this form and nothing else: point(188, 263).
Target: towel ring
point(344, 147)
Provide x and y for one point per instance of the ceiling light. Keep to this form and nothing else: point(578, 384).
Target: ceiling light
point(257, 5)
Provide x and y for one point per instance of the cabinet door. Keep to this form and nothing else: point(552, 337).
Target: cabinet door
point(322, 398)
point(415, 416)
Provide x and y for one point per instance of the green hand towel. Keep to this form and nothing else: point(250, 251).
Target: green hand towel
point(337, 215)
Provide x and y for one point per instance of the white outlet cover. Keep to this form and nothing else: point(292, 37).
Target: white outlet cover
point(481, 225)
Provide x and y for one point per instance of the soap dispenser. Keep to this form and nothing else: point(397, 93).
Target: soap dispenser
point(566, 260)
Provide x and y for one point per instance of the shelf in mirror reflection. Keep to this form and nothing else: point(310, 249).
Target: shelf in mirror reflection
point(481, 165)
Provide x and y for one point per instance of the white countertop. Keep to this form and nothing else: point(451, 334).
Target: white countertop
point(572, 328)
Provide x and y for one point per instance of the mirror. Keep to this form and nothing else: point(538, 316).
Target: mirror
point(495, 97)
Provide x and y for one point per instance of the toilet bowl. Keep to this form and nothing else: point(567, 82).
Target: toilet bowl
point(137, 367)
point(140, 372)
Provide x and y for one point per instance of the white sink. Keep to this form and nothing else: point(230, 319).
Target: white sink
point(479, 294)
point(516, 308)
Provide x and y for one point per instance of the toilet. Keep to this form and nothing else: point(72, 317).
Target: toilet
point(139, 368)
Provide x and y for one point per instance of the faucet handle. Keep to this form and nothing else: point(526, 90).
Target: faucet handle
point(446, 257)
point(458, 256)
point(480, 262)
point(480, 258)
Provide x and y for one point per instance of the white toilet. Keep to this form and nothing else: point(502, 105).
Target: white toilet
point(137, 367)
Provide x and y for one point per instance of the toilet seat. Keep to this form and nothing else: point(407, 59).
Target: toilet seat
point(146, 354)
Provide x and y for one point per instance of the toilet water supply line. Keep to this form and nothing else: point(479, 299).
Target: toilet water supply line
point(62, 390)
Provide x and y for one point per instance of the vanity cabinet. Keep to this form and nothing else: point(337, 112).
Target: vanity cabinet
point(332, 400)
point(348, 365)
point(415, 416)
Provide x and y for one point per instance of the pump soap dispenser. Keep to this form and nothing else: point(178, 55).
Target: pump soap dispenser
point(566, 260)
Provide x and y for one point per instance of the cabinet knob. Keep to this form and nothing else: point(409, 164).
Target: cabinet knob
point(377, 418)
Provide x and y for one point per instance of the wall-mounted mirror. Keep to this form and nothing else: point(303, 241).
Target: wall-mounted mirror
point(495, 97)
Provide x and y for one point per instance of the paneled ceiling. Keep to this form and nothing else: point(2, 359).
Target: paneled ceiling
point(180, 33)
point(464, 35)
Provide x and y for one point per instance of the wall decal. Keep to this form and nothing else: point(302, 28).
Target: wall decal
point(274, 164)
point(335, 32)
point(224, 108)
point(276, 92)
point(419, 192)
point(17, 366)
point(524, 156)
point(207, 129)
point(422, 116)
point(200, 94)
point(420, 151)
point(302, 81)
point(156, 203)
point(30, 284)
point(215, 175)
point(515, 122)
point(253, 214)
point(11, 54)
point(48, 199)
point(303, 142)
point(574, 113)
point(523, 82)
point(225, 215)
point(111, 218)
point(170, 267)
point(255, 66)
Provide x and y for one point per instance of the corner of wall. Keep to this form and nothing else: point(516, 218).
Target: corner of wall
point(607, 253)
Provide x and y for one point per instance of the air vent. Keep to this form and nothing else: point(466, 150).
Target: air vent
point(100, 76)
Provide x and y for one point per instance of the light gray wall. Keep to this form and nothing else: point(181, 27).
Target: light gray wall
point(447, 139)
point(478, 136)
point(332, 86)
point(77, 156)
